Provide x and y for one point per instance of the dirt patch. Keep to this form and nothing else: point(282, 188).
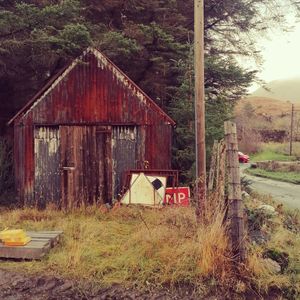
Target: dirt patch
point(14, 286)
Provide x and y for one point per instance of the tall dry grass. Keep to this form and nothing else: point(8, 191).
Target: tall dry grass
point(136, 246)
point(129, 245)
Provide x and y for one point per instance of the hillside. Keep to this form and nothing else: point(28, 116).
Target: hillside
point(266, 106)
point(268, 116)
point(283, 89)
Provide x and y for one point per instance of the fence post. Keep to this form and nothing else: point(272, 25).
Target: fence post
point(211, 177)
point(220, 177)
point(235, 204)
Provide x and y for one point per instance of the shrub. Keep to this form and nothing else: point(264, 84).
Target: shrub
point(6, 171)
point(246, 184)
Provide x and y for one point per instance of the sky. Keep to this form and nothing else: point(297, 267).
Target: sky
point(281, 55)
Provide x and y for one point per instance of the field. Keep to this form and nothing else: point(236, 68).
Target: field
point(269, 154)
point(292, 177)
point(140, 247)
point(128, 246)
point(277, 151)
point(259, 113)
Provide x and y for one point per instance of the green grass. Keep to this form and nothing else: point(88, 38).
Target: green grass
point(277, 151)
point(292, 177)
point(269, 154)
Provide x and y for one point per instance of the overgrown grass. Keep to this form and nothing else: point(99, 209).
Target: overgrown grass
point(285, 148)
point(283, 238)
point(128, 246)
point(144, 247)
point(292, 177)
point(269, 154)
point(277, 151)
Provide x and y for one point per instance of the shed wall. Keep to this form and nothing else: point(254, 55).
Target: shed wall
point(92, 93)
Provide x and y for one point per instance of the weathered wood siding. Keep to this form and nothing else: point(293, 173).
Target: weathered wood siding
point(85, 96)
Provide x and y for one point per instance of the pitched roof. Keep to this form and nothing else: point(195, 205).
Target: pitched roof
point(39, 96)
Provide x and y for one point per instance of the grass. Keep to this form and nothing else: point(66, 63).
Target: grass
point(128, 246)
point(292, 177)
point(283, 236)
point(269, 154)
point(277, 151)
point(143, 247)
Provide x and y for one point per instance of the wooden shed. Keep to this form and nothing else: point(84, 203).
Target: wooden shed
point(78, 135)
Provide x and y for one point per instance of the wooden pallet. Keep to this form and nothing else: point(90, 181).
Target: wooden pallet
point(40, 244)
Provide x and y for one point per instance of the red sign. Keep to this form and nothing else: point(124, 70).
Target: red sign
point(177, 196)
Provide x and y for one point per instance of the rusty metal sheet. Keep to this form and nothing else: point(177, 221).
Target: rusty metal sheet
point(47, 165)
point(95, 90)
point(124, 153)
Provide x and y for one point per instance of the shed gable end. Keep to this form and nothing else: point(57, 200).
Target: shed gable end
point(92, 89)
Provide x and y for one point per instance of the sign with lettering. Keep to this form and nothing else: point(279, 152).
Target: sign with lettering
point(177, 196)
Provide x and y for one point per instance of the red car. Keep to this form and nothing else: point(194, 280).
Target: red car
point(243, 158)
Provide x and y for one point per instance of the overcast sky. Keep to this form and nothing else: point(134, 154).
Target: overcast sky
point(281, 54)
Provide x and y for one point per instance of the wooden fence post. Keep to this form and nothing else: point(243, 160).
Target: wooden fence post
point(220, 177)
point(235, 205)
point(212, 170)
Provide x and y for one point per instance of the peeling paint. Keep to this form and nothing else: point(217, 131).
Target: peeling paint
point(96, 95)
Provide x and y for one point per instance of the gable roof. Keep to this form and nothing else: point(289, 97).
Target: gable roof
point(103, 60)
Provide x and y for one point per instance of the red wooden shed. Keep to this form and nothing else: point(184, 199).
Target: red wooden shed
point(78, 135)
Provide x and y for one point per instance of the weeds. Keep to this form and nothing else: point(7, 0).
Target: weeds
point(142, 247)
point(281, 245)
point(129, 245)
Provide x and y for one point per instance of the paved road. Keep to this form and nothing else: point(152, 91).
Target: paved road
point(286, 193)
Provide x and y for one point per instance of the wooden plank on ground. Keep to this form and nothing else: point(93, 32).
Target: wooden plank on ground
point(40, 244)
point(53, 236)
point(33, 250)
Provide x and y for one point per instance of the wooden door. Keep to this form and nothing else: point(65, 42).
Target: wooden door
point(85, 165)
point(104, 157)
point(47, 164)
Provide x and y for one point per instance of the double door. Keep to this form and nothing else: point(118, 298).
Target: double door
point(81, 165)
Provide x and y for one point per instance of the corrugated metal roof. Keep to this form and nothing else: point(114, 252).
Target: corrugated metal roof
point(103, 61)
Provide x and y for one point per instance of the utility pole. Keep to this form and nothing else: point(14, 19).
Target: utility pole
point(291, 131)
point(199, 106)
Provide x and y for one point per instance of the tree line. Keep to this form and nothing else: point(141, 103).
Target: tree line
point(151, 41)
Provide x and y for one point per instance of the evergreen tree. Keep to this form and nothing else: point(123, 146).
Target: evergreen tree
point(149, 39)
point(35, 40)
point(225, 83)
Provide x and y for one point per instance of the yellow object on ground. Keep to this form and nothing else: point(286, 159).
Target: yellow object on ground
point(16, 237)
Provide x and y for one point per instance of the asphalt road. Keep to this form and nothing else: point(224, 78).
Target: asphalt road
point(284, 192)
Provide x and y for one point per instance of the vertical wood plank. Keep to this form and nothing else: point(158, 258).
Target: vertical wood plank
point(221, 169)
point(212, 171)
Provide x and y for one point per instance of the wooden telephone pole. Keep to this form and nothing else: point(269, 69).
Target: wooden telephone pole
point(199, 106)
